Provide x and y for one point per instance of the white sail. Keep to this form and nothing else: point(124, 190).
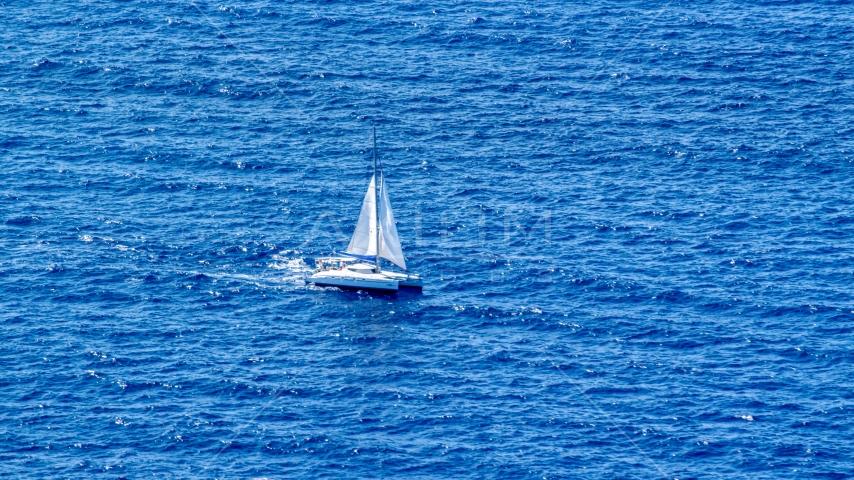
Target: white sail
point(389, 242)
point(364, 239)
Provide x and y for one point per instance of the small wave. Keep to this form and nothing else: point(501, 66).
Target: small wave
point(24, 221)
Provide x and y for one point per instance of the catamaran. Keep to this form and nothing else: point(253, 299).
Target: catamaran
point(358, 267)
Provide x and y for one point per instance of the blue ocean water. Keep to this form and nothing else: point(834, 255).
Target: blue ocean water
point(634, 219)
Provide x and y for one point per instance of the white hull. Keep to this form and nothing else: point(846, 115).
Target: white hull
point(353, 280)
point(406, 280)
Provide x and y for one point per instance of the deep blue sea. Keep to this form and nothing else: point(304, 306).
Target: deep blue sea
point(635, 221)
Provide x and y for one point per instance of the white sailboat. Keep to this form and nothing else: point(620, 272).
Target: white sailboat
point(375, 238)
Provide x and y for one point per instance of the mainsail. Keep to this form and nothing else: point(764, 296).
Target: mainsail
point(364, 239)
point(363, 243)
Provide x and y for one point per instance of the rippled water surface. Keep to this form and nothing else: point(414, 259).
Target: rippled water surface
point(634, 220)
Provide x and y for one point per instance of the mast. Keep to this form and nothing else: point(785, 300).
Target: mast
point(377, 198)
